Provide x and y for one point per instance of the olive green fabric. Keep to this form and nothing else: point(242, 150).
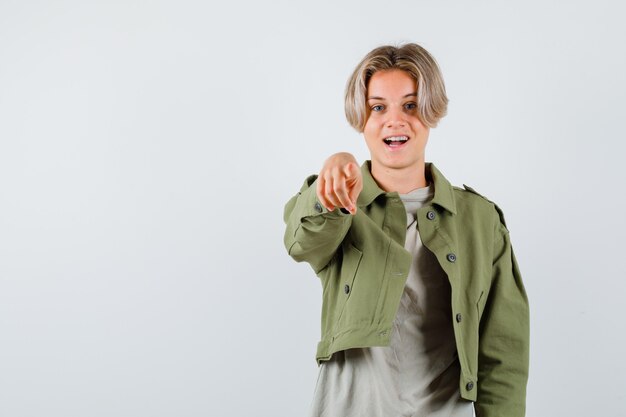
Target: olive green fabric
point(363, 266)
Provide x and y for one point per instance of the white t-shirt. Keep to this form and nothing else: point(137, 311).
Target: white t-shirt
point(418, 373)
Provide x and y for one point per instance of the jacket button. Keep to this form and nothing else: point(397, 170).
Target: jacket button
point(430, 215)
point(318, 207)
point(346, 288)
point(469, 386)
point(451, 257)
point(459, 317)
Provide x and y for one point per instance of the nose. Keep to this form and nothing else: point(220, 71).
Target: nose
point(395, 118)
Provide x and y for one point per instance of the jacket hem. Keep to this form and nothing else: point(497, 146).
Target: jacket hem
point(352, 338)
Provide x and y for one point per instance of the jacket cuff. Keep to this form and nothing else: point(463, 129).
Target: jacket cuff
point(309, 205)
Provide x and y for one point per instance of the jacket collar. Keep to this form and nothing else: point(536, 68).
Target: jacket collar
point(443, 197)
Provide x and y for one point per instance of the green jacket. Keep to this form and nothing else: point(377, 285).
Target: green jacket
point(363, 266)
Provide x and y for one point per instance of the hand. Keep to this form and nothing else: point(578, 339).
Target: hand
point(340, 182)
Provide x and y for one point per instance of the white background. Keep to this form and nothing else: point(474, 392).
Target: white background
point(147, 150)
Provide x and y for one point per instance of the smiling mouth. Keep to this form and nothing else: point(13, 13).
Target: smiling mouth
point(394, 141)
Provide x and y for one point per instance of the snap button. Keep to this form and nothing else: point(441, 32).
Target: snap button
point(451, 257)
point(469, 386)
point(430, 215)
point(346, 288)
point(318, 207)
point(459, 317)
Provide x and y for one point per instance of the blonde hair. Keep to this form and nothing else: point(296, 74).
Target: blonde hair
point(432, 102)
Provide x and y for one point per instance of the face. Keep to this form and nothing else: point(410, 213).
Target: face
point(394, 134)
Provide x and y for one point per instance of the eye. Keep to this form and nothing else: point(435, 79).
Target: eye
point(378, 107)
point(410, 106)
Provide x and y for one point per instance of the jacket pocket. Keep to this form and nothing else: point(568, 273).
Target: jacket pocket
point(350, 265)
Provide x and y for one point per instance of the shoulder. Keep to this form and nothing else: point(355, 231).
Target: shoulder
point(471, 199)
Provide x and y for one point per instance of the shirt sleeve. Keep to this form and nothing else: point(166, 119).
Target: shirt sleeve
point(313, 233)
point(503, 352)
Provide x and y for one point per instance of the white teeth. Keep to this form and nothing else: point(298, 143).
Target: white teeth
point(397, 139)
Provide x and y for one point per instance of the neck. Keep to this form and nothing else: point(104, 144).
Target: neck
point(401, 180)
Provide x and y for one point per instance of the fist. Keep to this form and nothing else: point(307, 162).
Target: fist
point(340, 182)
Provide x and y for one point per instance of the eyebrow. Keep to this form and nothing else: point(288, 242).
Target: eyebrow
point(382, 98)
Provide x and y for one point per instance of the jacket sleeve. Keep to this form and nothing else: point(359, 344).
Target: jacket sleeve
point(503, 351)
point(313, 233)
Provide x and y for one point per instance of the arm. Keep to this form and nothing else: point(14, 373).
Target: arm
point(313, 233)
point(319, 216)
point(503, 352)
